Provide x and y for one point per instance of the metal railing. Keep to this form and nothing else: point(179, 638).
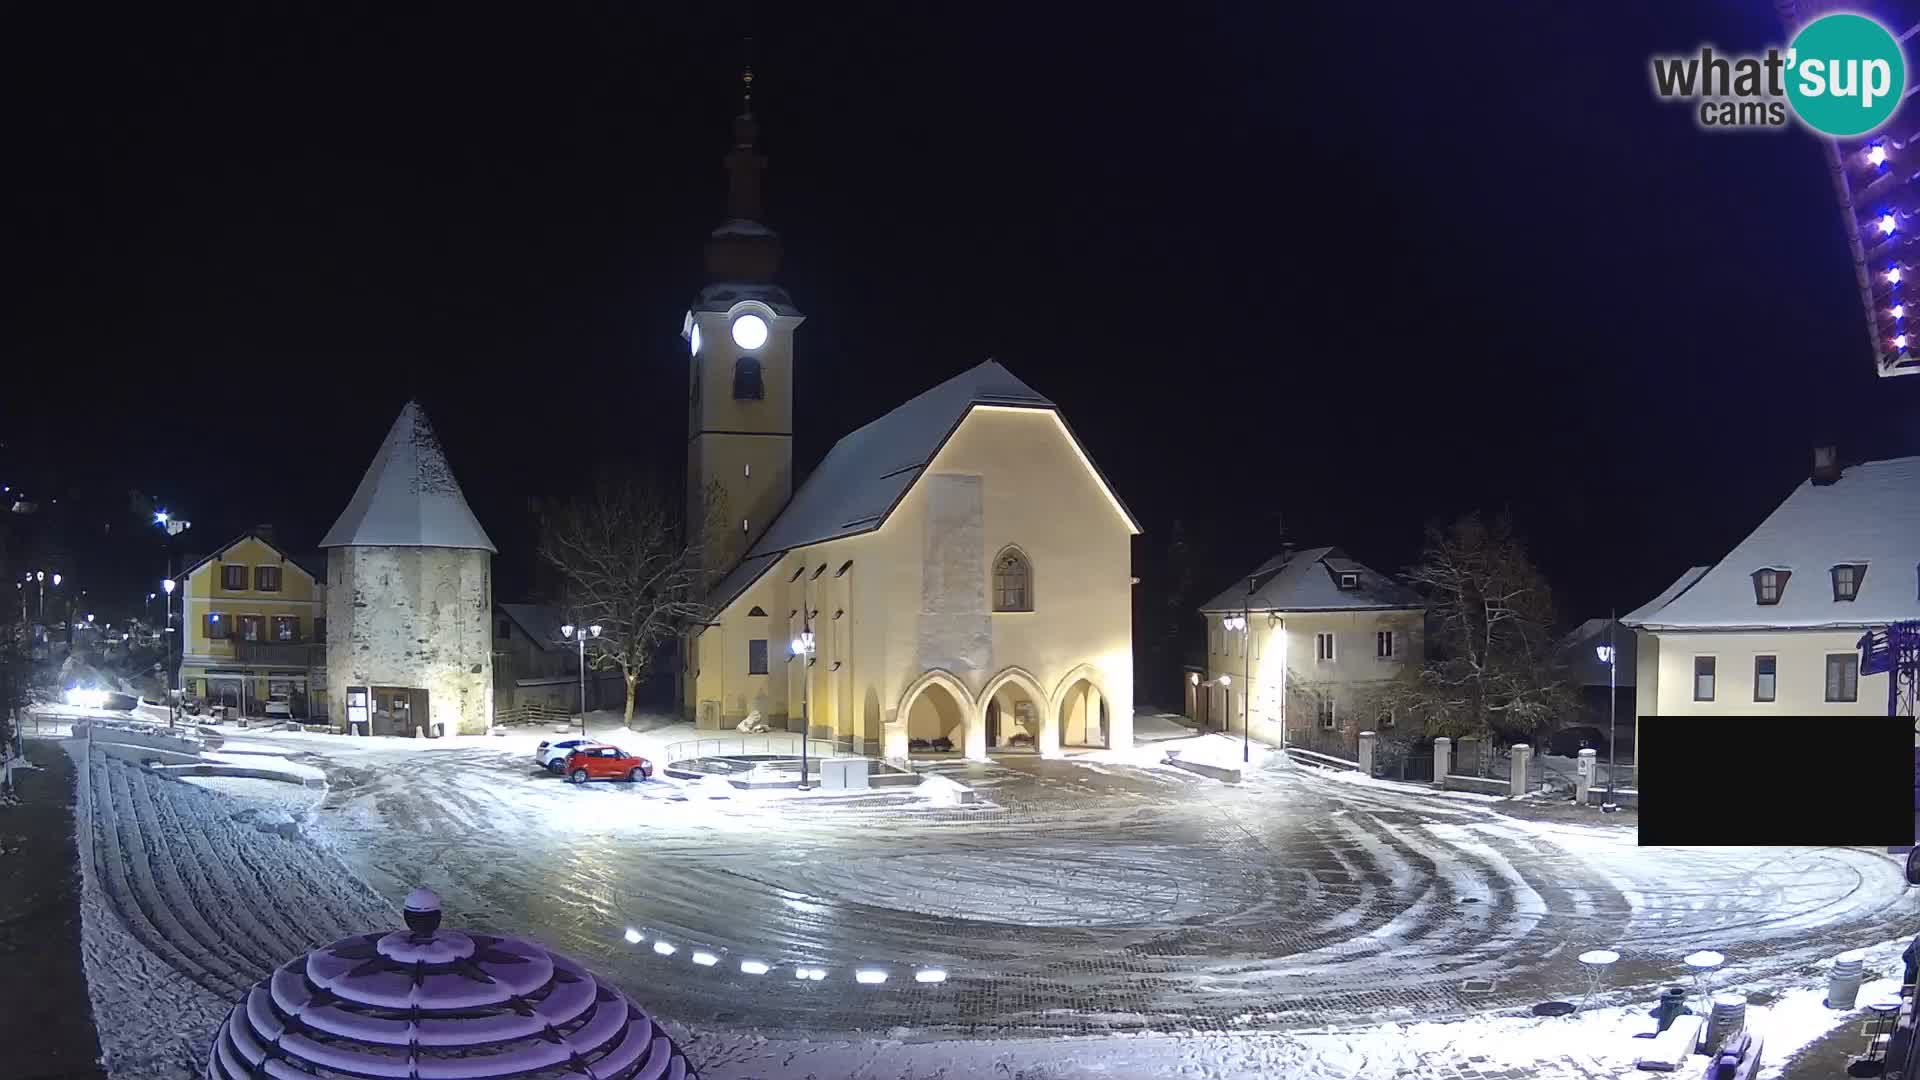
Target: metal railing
point(775, 744)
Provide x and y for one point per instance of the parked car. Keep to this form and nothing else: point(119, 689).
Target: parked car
point(606, 763)
point(552, 756)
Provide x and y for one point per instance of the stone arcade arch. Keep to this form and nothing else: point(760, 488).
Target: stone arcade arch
point(1012, 701)
point(937, 705)
point(1083, 709)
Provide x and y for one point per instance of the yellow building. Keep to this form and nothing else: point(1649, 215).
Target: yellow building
point(954, 578)
point(254, 623)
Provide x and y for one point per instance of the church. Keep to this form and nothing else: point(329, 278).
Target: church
point(955, 577)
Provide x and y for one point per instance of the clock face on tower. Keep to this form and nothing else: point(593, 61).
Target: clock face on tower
point(749, 332)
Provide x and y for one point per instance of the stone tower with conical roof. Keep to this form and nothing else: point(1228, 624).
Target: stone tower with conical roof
point(409, 592)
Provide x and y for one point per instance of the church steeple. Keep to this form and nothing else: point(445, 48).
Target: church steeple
point(743, 248)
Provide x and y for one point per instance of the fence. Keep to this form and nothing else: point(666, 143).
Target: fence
point(537, 713)
point(774, 745)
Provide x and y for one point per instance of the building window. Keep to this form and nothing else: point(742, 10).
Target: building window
point(219, 627)
point(233, 578)
point(252, 628)
point(1326, 712)
point(1323, 648)
point(746, 379)
point(503, 629)
point(1386, 717)
point(1765, 683)
point(266, 579)
point(1843, 677)
point(1846, 580)
point(757, 656)
point(1703, 678)
point(1383, 644)
point(1349, 581)
point(1012, 582)
point(1768, 585)
point(286, 628)
point(757, 612)
point(320, 630)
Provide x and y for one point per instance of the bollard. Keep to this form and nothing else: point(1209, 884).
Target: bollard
point(1442, 760)
point(1844, 986)
point(1366, 753)
point(1518, 783)
point(1583, 777)
point(1728, 1016)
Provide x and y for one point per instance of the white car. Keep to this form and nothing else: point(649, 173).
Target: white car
point(552, 756)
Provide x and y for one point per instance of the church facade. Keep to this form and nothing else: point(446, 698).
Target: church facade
point(953, 577)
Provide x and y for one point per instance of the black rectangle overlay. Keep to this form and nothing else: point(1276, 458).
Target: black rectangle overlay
point(1775, 781)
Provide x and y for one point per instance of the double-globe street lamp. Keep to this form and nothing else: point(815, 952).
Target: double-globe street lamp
point(1238, 623)
point(173, 673)
point(802, 647)
point(579, 635)
point(1606, 654)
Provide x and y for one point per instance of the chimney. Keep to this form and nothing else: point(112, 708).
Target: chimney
point(1826, 465)
point(265, 532)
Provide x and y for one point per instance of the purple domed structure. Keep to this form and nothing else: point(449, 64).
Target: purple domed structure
point(430, 1003)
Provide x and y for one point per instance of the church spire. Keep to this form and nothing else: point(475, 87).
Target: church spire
point(744, 162)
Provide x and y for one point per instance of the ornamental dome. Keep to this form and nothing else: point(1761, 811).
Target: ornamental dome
point(440, 1004)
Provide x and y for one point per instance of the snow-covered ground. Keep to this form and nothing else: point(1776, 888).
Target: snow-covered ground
point(1078, 915)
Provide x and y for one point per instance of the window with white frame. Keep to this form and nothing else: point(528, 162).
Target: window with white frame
point(1766, 680)
point(1843, 677)
point(1846, 580)
point(1383, 644)
point(1326, 712)
point(1323, 648)
point(1012, 582)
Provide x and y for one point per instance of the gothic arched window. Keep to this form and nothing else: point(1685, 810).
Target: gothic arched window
point(1012, 582)
point(746, 379)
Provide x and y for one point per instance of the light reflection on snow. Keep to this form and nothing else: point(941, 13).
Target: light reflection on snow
point(930, 975)
point(753, 967)
point(870, 976)
point(633, 936)
point(663, 948)
point(705, 959)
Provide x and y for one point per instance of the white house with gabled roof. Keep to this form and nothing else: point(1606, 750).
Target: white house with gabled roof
point(1775, 626)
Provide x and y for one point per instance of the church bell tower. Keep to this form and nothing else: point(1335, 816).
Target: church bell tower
point(740, 397)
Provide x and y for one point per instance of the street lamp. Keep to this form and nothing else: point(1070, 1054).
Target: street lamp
point(802, 647)
point(173, 673)
point(1606, 654)
point(579, 635)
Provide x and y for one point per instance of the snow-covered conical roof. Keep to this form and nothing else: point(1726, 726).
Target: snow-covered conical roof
point(409, 497)
point(440, 1004)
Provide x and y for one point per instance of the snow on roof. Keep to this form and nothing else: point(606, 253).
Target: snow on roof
point(742, 227)
point(1681, 584)
point(408, 498)
point(722, 295)
point(868, 472)
point(1308, 580)
point(1870, 516)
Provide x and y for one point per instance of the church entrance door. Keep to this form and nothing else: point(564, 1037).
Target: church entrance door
point(993, 723)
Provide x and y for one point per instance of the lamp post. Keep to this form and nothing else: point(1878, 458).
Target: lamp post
point(1607, 655)
point(579, 635)
point(173, 673)
point(1239, 623)
point(802, 647)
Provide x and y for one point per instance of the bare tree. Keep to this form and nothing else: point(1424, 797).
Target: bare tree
point(1492, 670)
point(629, 564)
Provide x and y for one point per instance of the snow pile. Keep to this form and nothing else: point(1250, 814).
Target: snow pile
point(940, 791)
point(1212, 748)
point(753, 724)
point(714, 787)
point(1801, 1016)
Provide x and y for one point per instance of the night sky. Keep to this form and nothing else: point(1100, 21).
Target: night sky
point(1350, 266)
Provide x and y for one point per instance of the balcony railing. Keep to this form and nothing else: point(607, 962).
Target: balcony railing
point(280, 653)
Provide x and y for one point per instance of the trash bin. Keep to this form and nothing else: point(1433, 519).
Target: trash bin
point(437, 731)
point(1673, 1004)
point(356, 727)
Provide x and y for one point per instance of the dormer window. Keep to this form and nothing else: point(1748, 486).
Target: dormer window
point(1846, 580)
point(1769, 585)
point(1349, 581)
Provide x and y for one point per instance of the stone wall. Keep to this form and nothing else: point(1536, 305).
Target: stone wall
point(418, 617)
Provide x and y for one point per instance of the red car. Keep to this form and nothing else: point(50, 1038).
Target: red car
point(606, 763)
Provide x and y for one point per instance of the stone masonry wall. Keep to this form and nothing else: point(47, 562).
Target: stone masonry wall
point(408, 616)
